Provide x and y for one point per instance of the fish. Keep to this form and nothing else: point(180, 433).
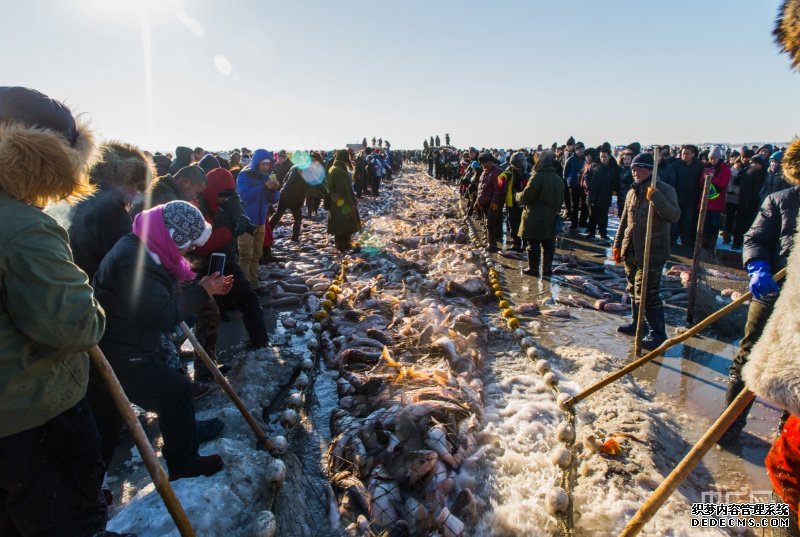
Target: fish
point(562, 312)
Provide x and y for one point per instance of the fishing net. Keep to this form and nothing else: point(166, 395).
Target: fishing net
point(718, 283)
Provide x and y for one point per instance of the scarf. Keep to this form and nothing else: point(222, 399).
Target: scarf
point(149, 226)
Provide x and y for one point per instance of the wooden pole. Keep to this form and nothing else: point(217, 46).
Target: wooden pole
point(160, 479)
point(685, 467)
point(228, 389)
point(667, 344)
point(698, 249)
point(648, 239)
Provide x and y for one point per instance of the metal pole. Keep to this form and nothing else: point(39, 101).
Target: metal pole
point(648, 239)
point(160, 479)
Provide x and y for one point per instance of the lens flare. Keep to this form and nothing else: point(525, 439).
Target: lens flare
point(314, 174)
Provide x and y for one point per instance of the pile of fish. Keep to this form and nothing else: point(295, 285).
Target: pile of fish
point(404, 339)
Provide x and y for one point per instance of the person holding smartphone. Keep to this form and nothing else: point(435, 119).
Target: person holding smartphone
point(147, 288)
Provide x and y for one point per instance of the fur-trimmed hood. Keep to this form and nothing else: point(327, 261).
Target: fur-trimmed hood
point(45, 153)
point(787, 30)
point(790, 162)
point(122, 164)
point(773, 367)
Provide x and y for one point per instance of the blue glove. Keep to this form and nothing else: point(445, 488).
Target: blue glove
point(761, 283)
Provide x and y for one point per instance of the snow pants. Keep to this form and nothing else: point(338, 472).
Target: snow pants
point(250, 249)
point(50, 478)
point(634, 273)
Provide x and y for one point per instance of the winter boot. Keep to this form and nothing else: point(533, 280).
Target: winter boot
point(734, 432)
point(547, 263)
point(630, 328)
point(208, 430)
point(533, 263)
point(658, 330)
point(203, 465)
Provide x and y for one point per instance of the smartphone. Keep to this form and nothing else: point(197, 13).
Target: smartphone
point(217, 264)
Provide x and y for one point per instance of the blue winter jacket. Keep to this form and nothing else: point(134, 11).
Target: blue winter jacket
point(256, 197)
point(572, 170)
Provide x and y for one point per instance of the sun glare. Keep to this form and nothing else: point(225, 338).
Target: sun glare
point(123, 9)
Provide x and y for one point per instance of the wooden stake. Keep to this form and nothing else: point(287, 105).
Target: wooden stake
point(685, 467)
point(160, 479)
point(698, 249)
point(648, 239)
point(228, 389)
point(666, 345)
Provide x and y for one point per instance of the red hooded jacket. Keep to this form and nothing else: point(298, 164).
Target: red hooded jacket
point(219, 179)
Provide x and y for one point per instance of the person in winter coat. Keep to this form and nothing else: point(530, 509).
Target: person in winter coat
point(601, 184)
point(258, 190)
point(185, 185)
point(51, 468)
point(221, 207)
point(751, 183)
point(162, 164)
point(573, 168)
point(293, 193)
point(282, 167)
point(514, 178)
point(716, 196)
point(625, 179)
point(183, 157)
point(629, 246)
point(688, 181)
point(775, 182)
point(732, 194)
point(99, 221)
point(145, 297)
point(343, 220)
point(767, 247)
point(490, 198)
point(541, 200)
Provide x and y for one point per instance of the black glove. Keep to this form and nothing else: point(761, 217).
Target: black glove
point(243, 226)
point(223, 219)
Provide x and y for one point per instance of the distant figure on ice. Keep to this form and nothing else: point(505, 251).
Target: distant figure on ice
point(438, 142)
point(446, 139)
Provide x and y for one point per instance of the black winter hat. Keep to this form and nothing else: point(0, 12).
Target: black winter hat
point(642, 160)
point(486, 157)
point(30, 107)
point(208, 163)
point(759, 159)
point(570, 141)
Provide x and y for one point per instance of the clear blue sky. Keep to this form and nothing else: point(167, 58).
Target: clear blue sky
point(319, 74)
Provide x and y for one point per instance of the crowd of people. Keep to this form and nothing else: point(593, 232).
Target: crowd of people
point(753, 199)
point(135, 261)
point(137, 258)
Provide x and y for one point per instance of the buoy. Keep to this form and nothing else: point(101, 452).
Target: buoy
point(562, 399)
point(279, 444)
point(551, 379)
point(330, 295)
point(542, 367)
point(312, 344)
point(302, 381)
point(526, 342)
point(264, 525)
point(288, 418)
point(519, 333)
point(508, 313)
point(557, 501)
point(561, 457)
point(532, 353)
point(513, 323)
point(504, 304)
point(316, 327)
point(275, 472)
point(307, 364)
point(321, 315)
point(565, 432)
point(326, 304)
point(294, 401)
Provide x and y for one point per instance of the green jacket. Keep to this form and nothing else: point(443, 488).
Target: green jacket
point(542, 199)
point(48, 319)
point(343, 219)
